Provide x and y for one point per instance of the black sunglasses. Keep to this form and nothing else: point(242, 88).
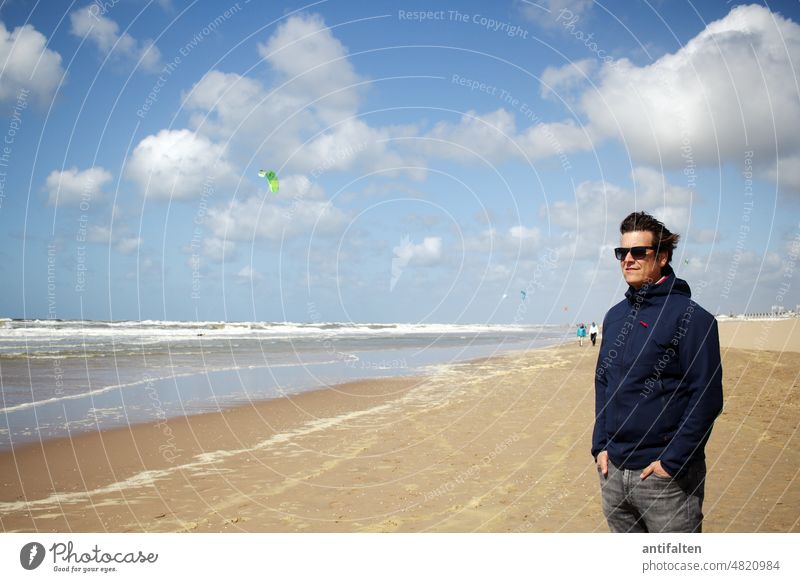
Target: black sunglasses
point(637, 253)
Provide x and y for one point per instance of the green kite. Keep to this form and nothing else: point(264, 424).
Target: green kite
point(271, 178)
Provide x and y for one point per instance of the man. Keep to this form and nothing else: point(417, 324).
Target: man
point(593, 333)
point(658, 389)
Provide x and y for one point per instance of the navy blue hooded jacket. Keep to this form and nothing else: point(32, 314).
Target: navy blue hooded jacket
point(658, 383)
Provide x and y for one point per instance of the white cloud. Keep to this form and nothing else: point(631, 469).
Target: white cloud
point(71, 187)
point(669, 203)
point(229, 106)
point(494, 136)
point(352, 143)
point(734, 281)
point(487, 136)
point(297, 187)
point(591, 222)
point(218, 250)
point(555, 139)
point(146, 270)
point(127, 244)
point(119, 239)
point(550, 12)
point(248, 275)
point(98, 234)
point(314, 61)
point(704, 236)
point(785, 171)
point(498, 272)
point(306, 119)
point(150, 56)
point(728, 90)
point(426, 253)
point(104, 32)
point(178, 164)
point(311, 92)
point(27, 64)
point(558, 81)
point(517, 242)
point(525, 234)
point(485, 241)
point(255, 218)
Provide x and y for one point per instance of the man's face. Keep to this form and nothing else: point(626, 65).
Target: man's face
point(641, 271)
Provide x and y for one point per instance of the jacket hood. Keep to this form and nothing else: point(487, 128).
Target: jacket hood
point(670, 285)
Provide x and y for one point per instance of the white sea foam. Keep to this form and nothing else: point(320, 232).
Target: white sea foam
point(171, 330)
point(200, 462)
point(424, 396)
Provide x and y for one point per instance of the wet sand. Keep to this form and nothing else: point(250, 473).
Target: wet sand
point(496, 445)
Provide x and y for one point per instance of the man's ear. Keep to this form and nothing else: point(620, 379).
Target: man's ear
point(663, 257)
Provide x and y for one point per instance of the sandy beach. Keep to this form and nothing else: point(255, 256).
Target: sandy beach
point(494, 445)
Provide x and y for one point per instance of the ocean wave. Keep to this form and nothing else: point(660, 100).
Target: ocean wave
point(49, 328)
point(64, 339)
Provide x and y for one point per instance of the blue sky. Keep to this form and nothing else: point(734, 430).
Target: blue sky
point(435, 158)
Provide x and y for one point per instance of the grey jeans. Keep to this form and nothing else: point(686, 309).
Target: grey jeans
point(657, 504)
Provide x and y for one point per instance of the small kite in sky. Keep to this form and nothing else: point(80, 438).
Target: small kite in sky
point(271, 178)
point(523, 295)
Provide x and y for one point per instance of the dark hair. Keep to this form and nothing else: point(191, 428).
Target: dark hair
point(663, 239)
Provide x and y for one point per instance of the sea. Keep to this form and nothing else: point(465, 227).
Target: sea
point(60, 378)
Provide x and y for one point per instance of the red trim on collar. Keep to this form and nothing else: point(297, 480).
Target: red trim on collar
point(662, 279)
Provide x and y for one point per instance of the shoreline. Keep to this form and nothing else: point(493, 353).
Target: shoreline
point(344, 387)
point(492, 444)
point(142, 398)
point(293, 414)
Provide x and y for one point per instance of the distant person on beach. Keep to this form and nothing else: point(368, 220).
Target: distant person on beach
point(593, 333)
point(581, 334)
point(658, 390)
